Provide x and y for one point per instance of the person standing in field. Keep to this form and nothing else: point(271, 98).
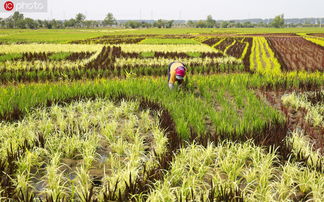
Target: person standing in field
point(176, 73)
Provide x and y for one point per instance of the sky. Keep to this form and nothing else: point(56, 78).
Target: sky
point(178, 9)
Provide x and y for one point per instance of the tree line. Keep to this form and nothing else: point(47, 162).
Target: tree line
point(17, 20)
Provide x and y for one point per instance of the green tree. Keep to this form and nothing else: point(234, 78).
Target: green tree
point(30, 23)
point(169, 23)
point(238, 25)
point(132, 24)
point(201, 24)
point(18, 20)
point(261, 24)
point(278, 21)
point(17, 16)
point(163, 23)
point(210, 22)
point(80, 18)
point(109, 20)
point(191, 23)
point(91, 23)
point(145, 24)
point(248, 24)
point(70, 23)
point(224, 24)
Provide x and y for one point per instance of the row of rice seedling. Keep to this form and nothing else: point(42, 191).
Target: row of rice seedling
point(316, 40)
point(247, 53)
point(239, 48)
point(166, 61)
point(227, 42)
point(10, 56)
point(76, 73)
point(86, 150)
point(302, 149)
point(315, 112)
point(111, 62)
point(159, 54)
point(114, 39)
point(40, 65)
point(237, 106)
point(134, 39)
point(211, 41)
point(168, 41)
point(188, 107)
point(56, 56)
point(296, 53)
point(138, 48)
point(213, 97)
point(295, 118)
point(236, 172)
point(54, 48)
point(262, 59)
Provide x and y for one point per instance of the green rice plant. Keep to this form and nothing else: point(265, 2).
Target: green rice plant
point(168, 41)
point(188, 108)
point(11, 56)
point(236, 106)
point(194, 54)
point(147, 54)
point(59, 56)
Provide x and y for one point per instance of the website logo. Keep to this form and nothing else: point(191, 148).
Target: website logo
point(8, 6)
point(25, 6)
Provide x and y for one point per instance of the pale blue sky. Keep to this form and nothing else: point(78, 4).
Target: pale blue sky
point(180, 9)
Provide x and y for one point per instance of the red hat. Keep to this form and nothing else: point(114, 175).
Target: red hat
point(180, 72)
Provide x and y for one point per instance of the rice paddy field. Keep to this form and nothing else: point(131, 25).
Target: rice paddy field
point(87, 115)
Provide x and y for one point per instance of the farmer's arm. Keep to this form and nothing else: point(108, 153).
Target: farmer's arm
point(172, 79)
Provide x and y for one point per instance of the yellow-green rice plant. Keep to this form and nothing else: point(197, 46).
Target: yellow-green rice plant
point(302, 148)
point(262, 58)
point(314, 113)
point(165, 48)
point(257, 175)
point(81, 140)
point(54, 180)
point(22, 48)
